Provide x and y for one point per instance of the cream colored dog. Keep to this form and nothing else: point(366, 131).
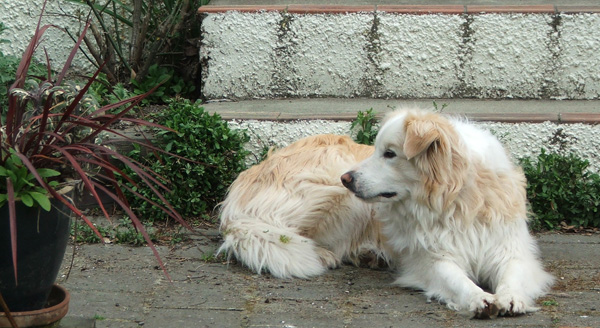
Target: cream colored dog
point(291, 216)
point(453, 206)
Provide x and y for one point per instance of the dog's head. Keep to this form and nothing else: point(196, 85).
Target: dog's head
point(417, 154)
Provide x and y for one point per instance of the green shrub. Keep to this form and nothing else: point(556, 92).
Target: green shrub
point(172, 85)
point(105, 93)
point(364, 127)
point(82, 233)
point(215, 156)
point(561, 190)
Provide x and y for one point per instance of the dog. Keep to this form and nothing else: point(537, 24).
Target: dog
point(453, 209)
point(291, 216)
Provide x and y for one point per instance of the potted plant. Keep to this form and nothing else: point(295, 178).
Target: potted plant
point(53, 143)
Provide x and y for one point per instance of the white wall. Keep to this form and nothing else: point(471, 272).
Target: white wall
point(386, 55)
point(21, 18)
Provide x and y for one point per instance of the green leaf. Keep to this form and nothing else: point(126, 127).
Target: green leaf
point(41, 199)
point(47, 173)
point(26, 199)
point(15, 159)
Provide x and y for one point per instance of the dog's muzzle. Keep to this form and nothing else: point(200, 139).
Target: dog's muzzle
point(349, 181)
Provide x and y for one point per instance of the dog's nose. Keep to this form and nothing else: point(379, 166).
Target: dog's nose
point(348, 180)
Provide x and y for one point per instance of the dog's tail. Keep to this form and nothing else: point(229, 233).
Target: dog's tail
point(279, 250)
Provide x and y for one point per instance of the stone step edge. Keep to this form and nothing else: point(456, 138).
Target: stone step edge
point(562, 118)
point(406, 9)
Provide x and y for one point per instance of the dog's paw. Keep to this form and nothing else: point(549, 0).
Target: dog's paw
point(512, 304)
point(483, 306)
point(372, 260)
point(328, 258)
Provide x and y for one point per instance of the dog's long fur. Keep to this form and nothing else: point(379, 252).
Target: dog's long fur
point(454, 209)
point(291, 216)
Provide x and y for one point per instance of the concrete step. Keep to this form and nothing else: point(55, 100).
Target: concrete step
point(346, 109)
point(523, 126)
point(459, 50)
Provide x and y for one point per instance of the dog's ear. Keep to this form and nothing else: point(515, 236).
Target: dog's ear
point(420, 135)
point(434, 145)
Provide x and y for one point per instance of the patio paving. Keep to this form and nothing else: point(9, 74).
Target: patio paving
point(121, 286)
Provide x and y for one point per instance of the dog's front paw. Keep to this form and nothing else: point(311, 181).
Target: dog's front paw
point(512, 304)
point(483, 306)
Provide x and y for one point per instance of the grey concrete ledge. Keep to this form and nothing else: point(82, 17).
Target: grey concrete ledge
point(339, 109)
point(404, 9)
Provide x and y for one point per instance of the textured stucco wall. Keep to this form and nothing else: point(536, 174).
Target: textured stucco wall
point(509, 55)
point(579, 46)
point(521, 139)
point(269, 54)
point(527, 140)
point(325, 55)
point(273, 54)
point(417, 57)
point(21, 17)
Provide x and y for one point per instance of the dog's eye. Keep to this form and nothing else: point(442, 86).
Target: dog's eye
point(389, 154)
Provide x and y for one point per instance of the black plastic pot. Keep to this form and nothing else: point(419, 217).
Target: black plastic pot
point(41, 243)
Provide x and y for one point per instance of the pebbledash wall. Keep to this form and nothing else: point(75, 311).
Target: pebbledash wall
point(381, 51)
point(21, 17)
